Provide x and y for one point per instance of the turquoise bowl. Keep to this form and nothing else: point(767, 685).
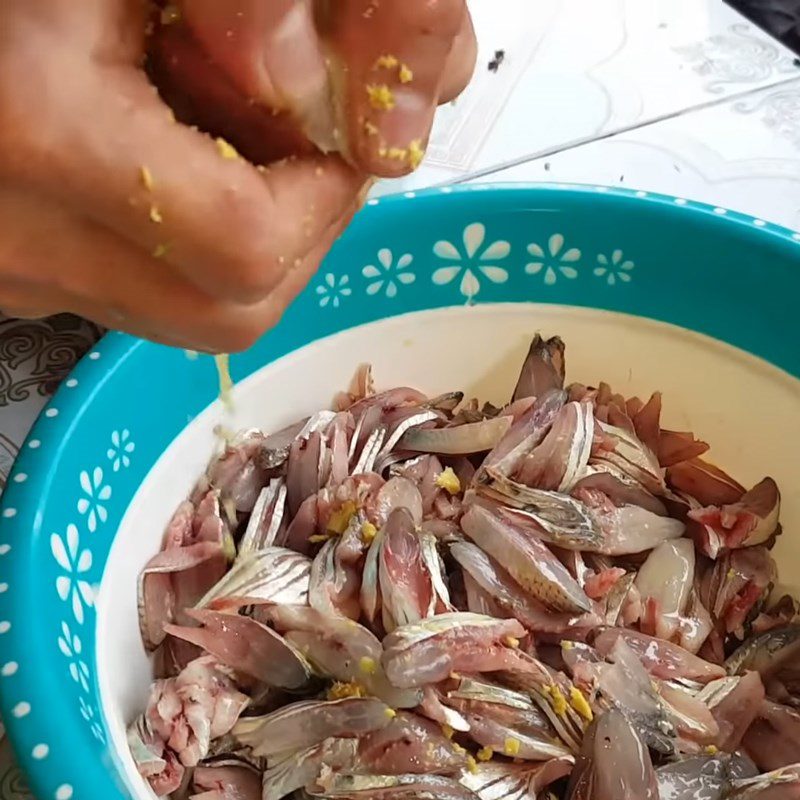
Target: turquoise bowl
point(713, 272)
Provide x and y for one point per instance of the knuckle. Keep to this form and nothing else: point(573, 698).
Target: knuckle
point(21, 127)
point(250, 278)
point(250, 267)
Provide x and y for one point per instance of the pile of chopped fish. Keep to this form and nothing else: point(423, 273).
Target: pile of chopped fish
point(414, 597)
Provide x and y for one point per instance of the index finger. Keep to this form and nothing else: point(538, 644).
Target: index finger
point(393, 63)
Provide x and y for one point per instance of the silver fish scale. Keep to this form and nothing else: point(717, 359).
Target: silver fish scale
point(766, 645)
point(406, 425)
point(410, 635)
point(470, 689)
point(370, 451)
point(274, 574)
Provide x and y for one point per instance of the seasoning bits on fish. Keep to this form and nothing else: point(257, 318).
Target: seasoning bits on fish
point(414, 596)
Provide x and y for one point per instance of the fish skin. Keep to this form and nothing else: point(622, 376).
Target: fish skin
point(766, 652)
point(527, 560)
point(543, 369)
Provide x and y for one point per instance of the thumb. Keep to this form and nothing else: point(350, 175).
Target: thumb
point(394, 59)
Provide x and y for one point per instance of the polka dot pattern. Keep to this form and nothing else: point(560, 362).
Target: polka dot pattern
point(40, 751)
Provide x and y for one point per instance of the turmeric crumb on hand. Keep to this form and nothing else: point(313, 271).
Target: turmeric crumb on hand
point(160, 250)
point(405, 74)
point(147, 178)
point(386, 62)
point(227, 150)
point(155, 215)
point(380, 96)
point(415, 153)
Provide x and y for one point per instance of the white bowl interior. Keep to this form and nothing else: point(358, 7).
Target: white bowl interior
point(748, 410)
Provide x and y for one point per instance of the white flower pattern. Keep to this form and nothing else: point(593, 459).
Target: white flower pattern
point(87, 712)
point(331, 291)
point(96, 493)
point(70, 645)
point(388, 275)
point(76, 563)
point(616, 268)
point(472, 262)
point(121, 448)
point(556, 261)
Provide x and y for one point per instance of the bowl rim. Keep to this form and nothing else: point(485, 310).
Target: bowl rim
point(57, 420)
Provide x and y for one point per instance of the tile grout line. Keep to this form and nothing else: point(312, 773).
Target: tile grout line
point(575, 144)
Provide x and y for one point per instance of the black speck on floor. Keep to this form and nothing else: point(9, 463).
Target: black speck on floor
point(499, 57)
point(676, 168)
point(547, 166)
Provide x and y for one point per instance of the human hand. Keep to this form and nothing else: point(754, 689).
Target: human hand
point(111, 210)
point(362, 77)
